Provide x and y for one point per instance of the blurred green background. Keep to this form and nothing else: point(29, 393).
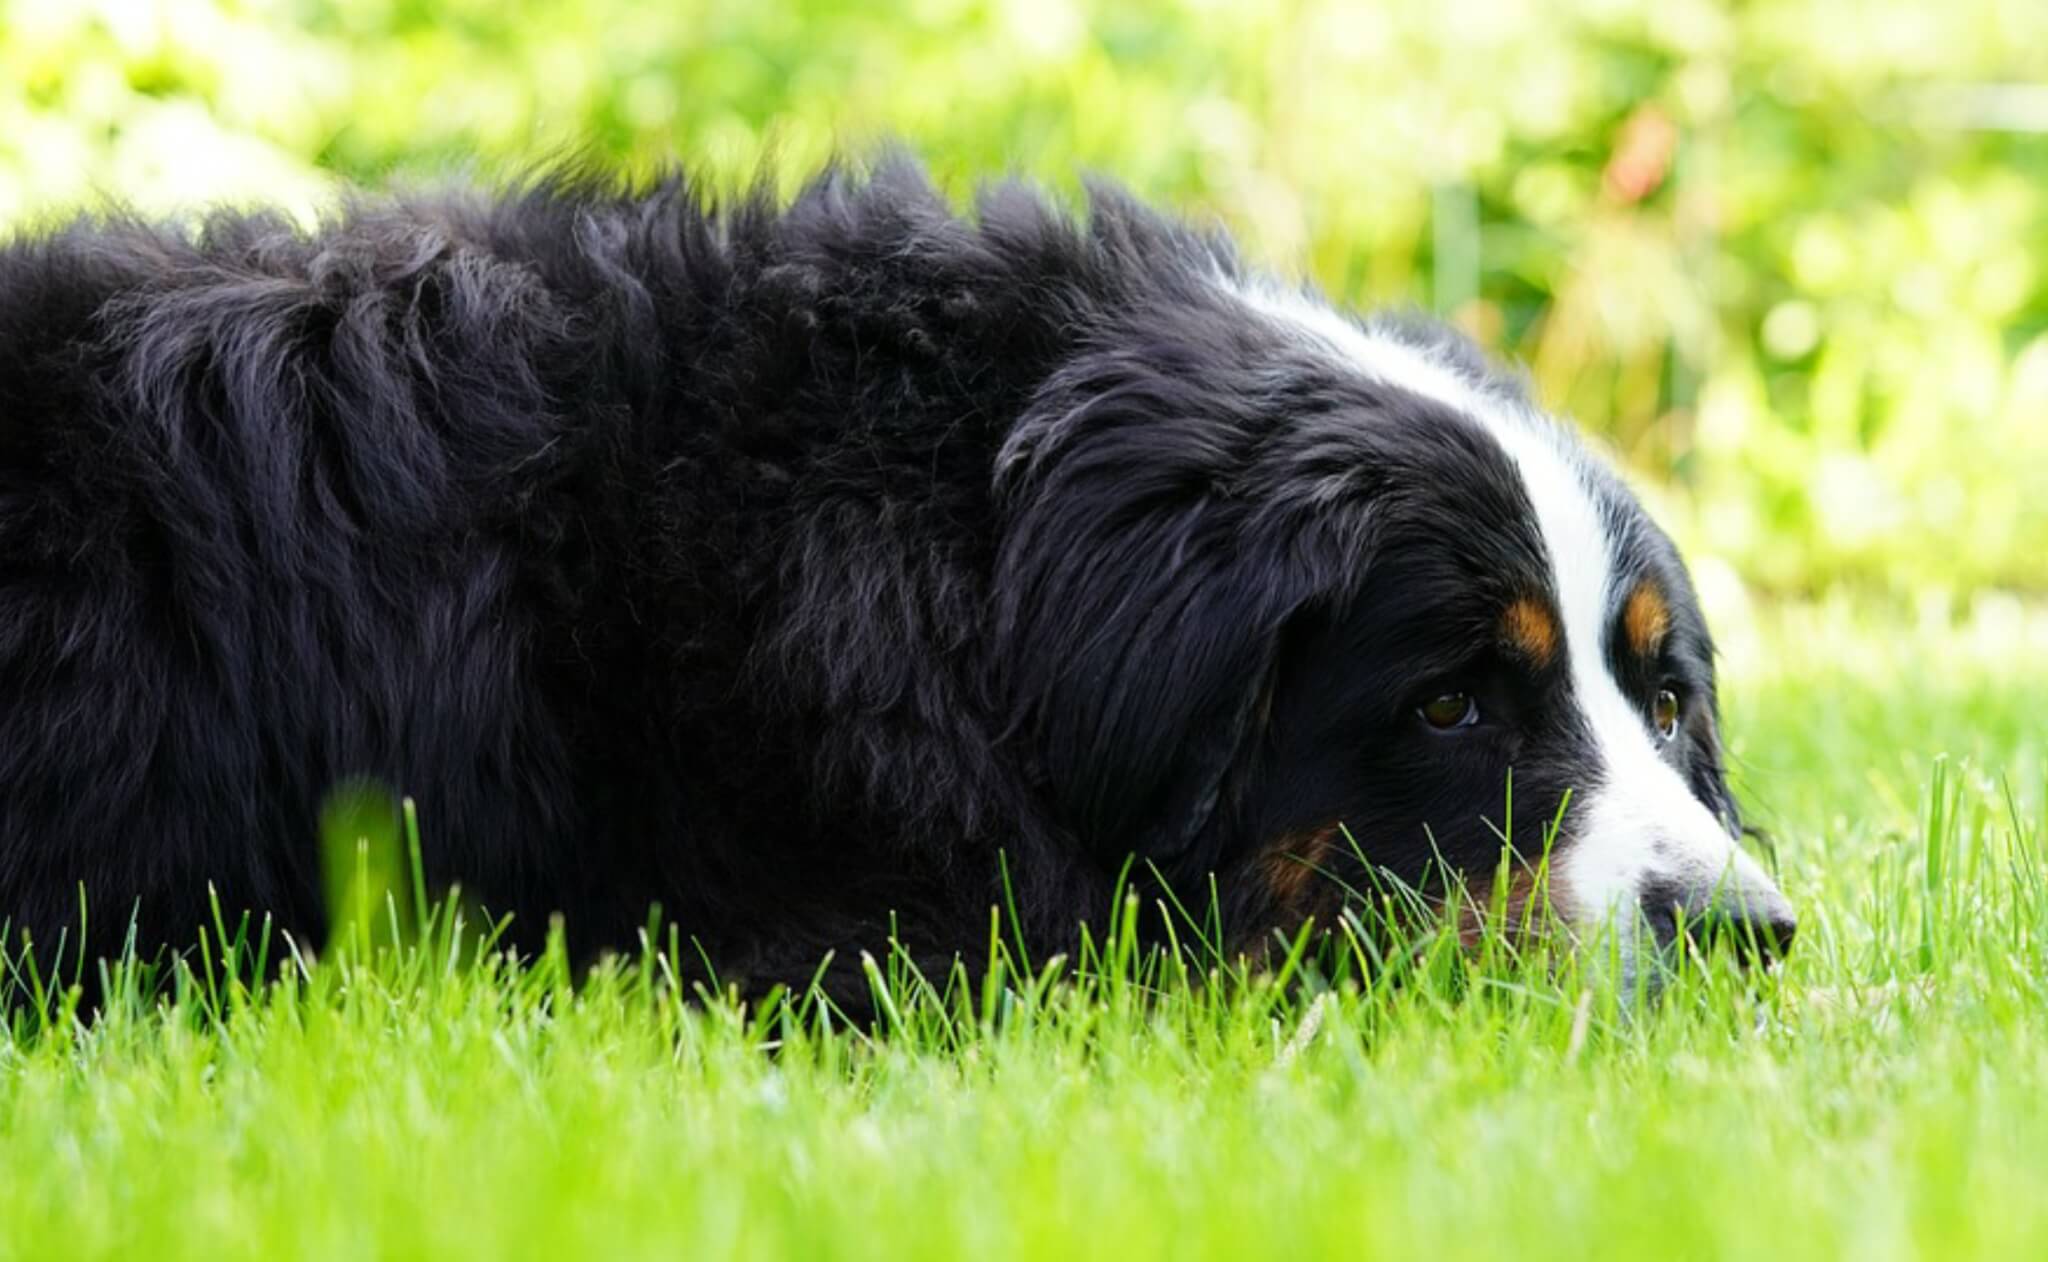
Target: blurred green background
point(1788, 258)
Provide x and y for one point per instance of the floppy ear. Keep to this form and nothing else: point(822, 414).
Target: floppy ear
point(1153, 553)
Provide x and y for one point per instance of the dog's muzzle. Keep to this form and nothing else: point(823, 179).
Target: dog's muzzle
point(1747, 914)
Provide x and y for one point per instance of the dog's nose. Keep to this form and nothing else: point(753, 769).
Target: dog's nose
point(1757, 921)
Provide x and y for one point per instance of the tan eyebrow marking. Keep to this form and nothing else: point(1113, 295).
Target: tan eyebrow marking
point(1528, 627)
point(1646, 619)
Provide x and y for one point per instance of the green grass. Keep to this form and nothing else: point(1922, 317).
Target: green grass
point(1883, 1097)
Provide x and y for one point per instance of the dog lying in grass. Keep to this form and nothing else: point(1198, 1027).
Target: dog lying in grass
point(814, 572)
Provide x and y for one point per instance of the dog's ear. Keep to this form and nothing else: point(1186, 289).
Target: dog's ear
point(1155, 548)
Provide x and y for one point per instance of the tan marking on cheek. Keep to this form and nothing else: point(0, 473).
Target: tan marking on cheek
point(1293, 862)
point(1529, 628)
point(1646, 619)
point(1522, 911)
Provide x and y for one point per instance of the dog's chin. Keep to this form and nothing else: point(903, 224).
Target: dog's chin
point(1640, 962)
point(1631, 958)
point(1633, 962)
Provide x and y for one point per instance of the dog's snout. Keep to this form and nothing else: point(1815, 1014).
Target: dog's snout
point(1756, 921)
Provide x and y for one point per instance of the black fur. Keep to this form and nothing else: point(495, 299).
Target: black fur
point(782, 567)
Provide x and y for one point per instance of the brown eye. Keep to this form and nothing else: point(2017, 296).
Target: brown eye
point(1664, 713)
point(1451, 711)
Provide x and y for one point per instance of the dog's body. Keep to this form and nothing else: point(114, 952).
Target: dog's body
point(803, 571)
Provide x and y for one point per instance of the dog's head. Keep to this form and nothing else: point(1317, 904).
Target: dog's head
point(1282, 592)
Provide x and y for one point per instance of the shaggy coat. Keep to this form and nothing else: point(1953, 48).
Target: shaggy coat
point(805, 571)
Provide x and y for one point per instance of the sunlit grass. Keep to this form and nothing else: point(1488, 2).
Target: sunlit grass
point(1880, 1095)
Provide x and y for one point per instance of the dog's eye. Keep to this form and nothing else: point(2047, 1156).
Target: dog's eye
point(1664, 713)
point(1451, 711)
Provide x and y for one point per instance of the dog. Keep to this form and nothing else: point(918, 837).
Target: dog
point(821, 573)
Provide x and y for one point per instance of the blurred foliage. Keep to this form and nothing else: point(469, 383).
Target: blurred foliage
point(1787, 257)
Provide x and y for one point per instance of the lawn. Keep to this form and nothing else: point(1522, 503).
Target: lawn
point(1883, 1096)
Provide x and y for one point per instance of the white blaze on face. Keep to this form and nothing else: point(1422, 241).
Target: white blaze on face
point(1637, 823)
point(1640, 822)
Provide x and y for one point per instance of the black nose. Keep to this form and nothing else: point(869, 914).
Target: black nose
point(1757, 923)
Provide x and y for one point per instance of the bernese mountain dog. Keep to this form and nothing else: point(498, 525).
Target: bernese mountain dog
point(818, 572)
